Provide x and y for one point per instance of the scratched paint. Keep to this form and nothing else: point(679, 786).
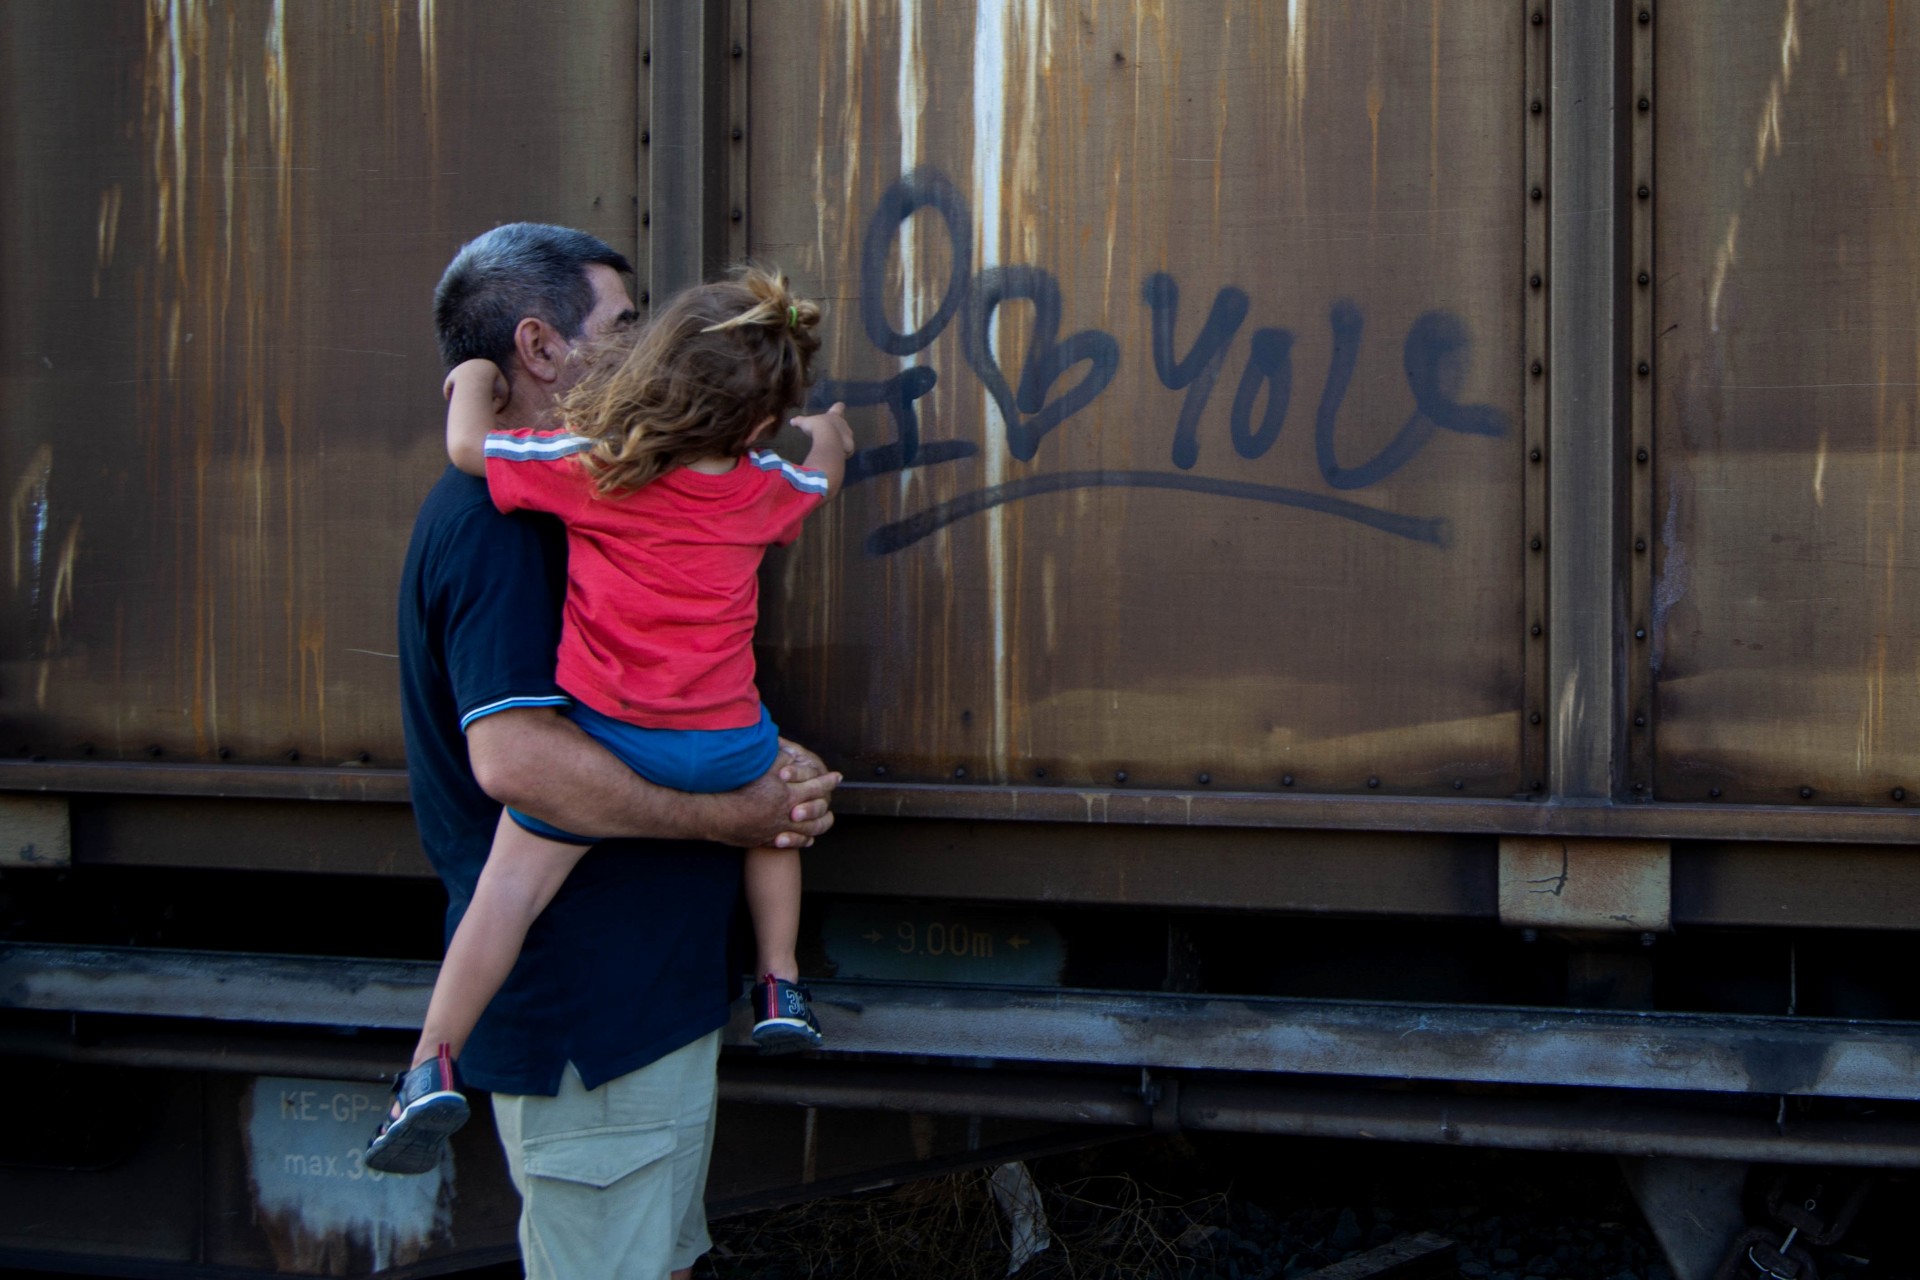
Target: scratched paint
point(323, 1211)
point(1789, 283)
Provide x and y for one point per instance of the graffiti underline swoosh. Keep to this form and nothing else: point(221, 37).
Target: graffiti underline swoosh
point(901, 534)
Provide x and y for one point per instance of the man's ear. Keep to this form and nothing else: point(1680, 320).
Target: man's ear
point(539, 348)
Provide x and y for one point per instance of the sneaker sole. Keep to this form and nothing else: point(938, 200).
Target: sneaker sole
point(413, 1143)
point(785, 1035)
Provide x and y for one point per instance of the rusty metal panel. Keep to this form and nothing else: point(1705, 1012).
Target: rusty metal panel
point(1784, 628)
point(223, 229)
point(1186, 349)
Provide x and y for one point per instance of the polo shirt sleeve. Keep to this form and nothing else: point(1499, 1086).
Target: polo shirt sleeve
point(790, 493)
point(499, 598)
point(537, 471)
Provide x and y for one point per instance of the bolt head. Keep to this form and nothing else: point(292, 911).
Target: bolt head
point(1536, 628)
point(1646, 104)
point(1537, 194)
point(1533, 455)
point(1640, 455)
point(1536, 368)
point(960, 772)
point(1639, 633)
point(1536, 107)
point(1713, 793)
point(1538, 17)
point(1206, 779)
point(1458, 785)
point(1120, 775)
point(1639, 722)
point(1645, 191)
point(1806, 793)
point(1643, 368)
point(1899, 793)
point(1534, 544)
point(879, 771)
point(1534, 280)
point(1645, 279)
point(1645, 17)
point(1286, 779)
point(1534, 718)
point(1373, 782)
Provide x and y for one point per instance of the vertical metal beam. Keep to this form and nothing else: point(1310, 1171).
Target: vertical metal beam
point(686, 219)
point(1585, 400)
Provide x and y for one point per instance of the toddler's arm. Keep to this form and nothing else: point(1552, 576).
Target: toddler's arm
point(476, 392)
point(832, 444)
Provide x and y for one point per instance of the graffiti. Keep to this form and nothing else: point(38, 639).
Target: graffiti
point(1058, 377)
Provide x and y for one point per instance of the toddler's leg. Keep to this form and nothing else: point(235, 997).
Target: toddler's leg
point(773, 899)
point(522, 874)
point(782, 1009)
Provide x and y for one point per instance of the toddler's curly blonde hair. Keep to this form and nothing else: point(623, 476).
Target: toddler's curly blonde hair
point(695, 381)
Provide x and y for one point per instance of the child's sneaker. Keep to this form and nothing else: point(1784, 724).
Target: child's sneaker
point(427, 1109)
point(783, 1020)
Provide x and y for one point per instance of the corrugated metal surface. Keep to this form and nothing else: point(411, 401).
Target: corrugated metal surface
point(1085, 565)
point(223, 228)
point(1785, 614)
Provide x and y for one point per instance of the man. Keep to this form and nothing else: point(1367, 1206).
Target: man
point(600, 1050)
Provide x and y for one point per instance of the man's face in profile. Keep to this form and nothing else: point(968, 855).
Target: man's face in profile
point(612, 311)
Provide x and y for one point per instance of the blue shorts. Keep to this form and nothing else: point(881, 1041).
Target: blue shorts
point(697, 760)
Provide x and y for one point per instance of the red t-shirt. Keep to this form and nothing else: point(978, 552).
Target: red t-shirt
point(663, 581)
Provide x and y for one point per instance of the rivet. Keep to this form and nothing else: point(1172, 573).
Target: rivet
point(1713, 793)
point(1638, 787)
point(1120, 775)
point(646, 137)
point(1533, 456)
point(1639, 722)
point(1536, 368)
point(738, 133)
point(1645, 191)
point(1538, 785)
point(363, 757)
point(1537, 194)
point(1535, 544)
point(1639, 544)
point(879, 771)
point(1899, 793)
point(736, 215)
point(293, 756)
point(1640, 455)
point(960, 772)
point(1538, 17)
point(1639, 633)
point(1645, 279)
point(1534, 718)
point(645, 297)
point(1806, 793)
point(1286, 779)
point(646, 55)
point(646, 217)
point(1458, 785)
point(1536, 107)
point(1373, 782)
point(1534, 280)
point(154, 750)
point(1039, 773)
point(1206, 779)
point(737, 51)
point(1643, 368)
point(1645, 17)
point(1536, 628)
point(1646, 104)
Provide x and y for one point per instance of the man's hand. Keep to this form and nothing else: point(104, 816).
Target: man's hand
point(787, 807)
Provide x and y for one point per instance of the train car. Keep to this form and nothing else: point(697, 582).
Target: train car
point(1372, 599)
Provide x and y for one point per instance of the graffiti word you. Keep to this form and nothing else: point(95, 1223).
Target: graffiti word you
point(1043, 396)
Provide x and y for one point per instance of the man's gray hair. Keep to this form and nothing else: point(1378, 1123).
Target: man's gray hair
point(514, 271)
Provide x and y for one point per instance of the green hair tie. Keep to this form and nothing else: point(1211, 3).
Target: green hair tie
point(793, 317)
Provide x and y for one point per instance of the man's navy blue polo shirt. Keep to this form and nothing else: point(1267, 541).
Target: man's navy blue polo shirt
point(629, 961)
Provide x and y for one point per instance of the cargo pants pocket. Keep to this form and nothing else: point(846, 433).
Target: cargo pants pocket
point(597, 1158)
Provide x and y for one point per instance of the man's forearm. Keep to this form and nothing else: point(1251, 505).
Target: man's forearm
point(539, 762)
